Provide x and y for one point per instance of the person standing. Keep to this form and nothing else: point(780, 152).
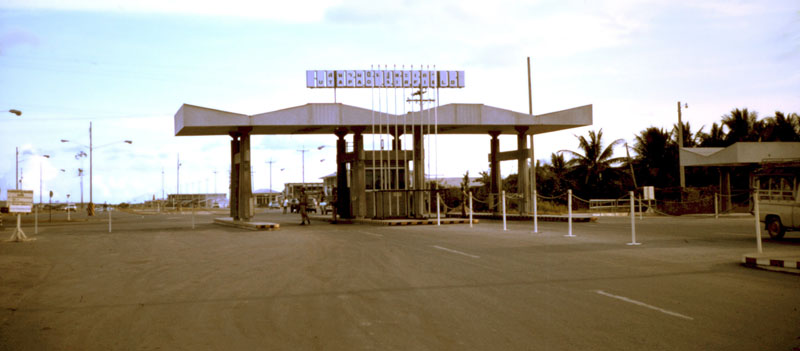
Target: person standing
point(303, 207)
point(285, 205)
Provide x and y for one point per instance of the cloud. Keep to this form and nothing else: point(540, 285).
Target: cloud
point(17, 37)
point(283, 11)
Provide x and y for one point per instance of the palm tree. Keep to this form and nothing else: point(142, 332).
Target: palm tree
point(656, 158)
point(714, 138)
point(558, 169)
point(781, 128)
point(742, 125)
point(593, 160)
point(689, 139)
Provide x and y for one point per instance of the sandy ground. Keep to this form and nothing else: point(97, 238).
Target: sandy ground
point(156, 284)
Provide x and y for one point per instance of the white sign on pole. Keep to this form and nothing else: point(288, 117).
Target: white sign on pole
point(384, 79)
point(20, 201)
point(649, 193)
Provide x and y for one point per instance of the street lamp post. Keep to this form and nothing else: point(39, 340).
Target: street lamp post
point(680, 145)
point(91, 179)
point(40, 178)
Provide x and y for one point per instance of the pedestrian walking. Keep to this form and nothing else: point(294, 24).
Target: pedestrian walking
point(285, 205)
point(303, 207)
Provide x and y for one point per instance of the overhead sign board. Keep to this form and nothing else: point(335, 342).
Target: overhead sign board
point(384, 79)
point(20, 201)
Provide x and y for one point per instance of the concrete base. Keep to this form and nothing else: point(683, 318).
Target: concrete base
point(412, 221)
point(228, 221)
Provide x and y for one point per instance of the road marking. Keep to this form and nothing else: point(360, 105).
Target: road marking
point(639, 303)
point(455, 251)
point(373, 234)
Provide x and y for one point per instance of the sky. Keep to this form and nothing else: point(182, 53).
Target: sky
point(127, 67)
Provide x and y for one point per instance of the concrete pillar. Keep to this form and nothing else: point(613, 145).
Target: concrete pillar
point(523, 188)
point(342, 190)
point(494, 171)
point(245, 185)
point(234, 177)
point(419, 173)
point(728, 199)
point(358, 193)
point(241, 208)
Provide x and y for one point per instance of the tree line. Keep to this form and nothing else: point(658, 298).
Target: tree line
point(593, 171)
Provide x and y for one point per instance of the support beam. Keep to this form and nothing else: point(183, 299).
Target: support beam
point(523, 187)
point(234, 177)
point(342, 190)
point(241, 207)
point(494, 170)
point(358, 195)
point(419, 173)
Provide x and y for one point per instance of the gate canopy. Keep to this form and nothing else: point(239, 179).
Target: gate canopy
point(325, 118)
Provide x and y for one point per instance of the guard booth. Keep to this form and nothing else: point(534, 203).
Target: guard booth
point(389, 194)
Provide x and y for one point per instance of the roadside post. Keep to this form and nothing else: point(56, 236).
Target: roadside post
point(633, 221)
point(504, 210)
point(470, 209)
point(569, 213)
point(36, 219)
point(19, 202)
point(640, 207)
point(535, 213)
point(193, 215)
point(716, 206)
point(438, 215)
point(108, 209)
point(758, 221)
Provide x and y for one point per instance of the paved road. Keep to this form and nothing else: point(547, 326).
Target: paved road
point(154, 283)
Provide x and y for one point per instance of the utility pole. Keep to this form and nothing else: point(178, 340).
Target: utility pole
point(91, 182)
point(215, 181)
point(680, 145)
point(633, 176)
point(303, 151)
point(178, 192)
point(16, 176)
point(270, 162)
point(162, 184)
point(532, 169)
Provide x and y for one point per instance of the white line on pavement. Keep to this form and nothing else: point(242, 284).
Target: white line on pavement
point(455, 251)
point(373, 234)
point(639, 303)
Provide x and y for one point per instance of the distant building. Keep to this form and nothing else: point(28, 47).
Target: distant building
point(264, 197)
point(199, 200)
point(292, 190)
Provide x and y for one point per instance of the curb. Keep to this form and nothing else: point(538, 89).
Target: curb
point(776, 262)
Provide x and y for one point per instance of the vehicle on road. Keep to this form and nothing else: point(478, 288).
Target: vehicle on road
point(274, 204)
point(70, 208)
point(778, 200)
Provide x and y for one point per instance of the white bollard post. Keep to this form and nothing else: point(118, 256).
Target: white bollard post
point(758, 222)
point(470, 209)
point(108, 209)
point(716, 206)
point(640, 207)
point(193, 215)
point(535, 213)
point(35, 219)
point(569, 213)
point(504, 211)
point(633, 222)
point(438, 216)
